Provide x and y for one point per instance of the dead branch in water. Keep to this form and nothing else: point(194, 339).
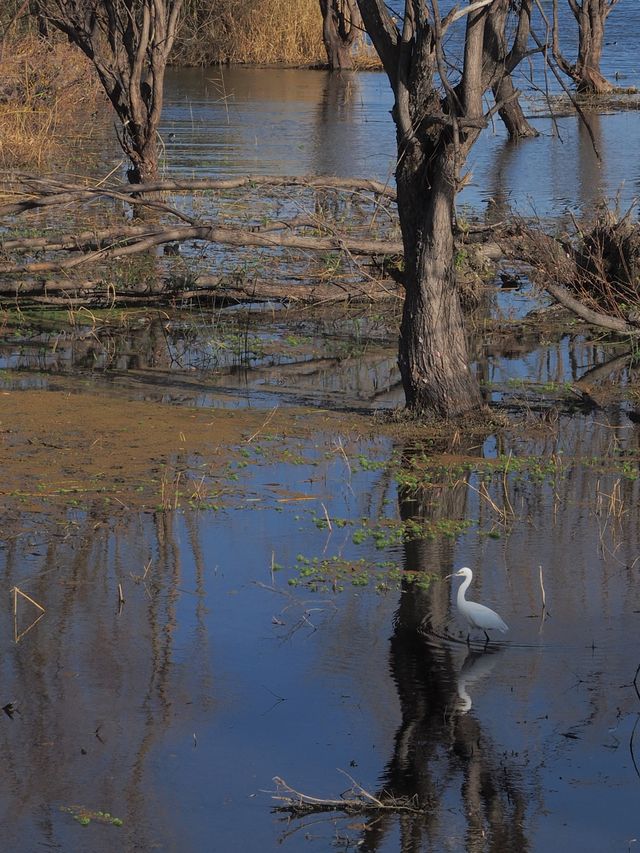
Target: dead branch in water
point(38, 193)
point(595, 318)
point(142, 242)
point(98, 292)
point(356, 801)
point(46, 268)
point(19, 595)
point(592, 272)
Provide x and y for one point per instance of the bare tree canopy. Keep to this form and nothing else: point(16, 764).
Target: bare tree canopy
point(129, 42)
point(439, 112)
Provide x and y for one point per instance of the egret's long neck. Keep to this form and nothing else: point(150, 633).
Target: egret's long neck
point(464, 586)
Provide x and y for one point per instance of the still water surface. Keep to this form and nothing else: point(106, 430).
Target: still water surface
point(218, 674)
point(290, 121)
point(175, 713)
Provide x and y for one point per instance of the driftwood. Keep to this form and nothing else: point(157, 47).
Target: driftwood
point(356, 801)
point(559, 264)
point(47, 193)
point(595, 318)
point(142, 242)
point(221, 289)
point(593, 273)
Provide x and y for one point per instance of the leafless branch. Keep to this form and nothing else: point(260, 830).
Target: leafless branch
point(358, 801)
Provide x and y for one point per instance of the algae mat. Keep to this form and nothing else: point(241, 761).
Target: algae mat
point(76, 448)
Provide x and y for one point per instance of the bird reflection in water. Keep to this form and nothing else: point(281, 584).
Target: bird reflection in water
point(475, 667)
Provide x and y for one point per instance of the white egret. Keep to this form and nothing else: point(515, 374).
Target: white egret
point(477, 615)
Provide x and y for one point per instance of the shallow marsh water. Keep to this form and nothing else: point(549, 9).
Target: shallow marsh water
point(299, 122)
point(234, 659)
point(272, 623)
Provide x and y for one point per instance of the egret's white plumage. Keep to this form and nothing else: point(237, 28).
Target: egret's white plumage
point(477, 615)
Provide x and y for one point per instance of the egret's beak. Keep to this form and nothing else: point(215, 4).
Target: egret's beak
point(447, 577)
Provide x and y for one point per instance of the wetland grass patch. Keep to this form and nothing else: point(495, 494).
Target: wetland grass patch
point(47, 95)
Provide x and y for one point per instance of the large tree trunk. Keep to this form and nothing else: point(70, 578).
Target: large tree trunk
point(591, 20)
point(144, 165)
point(438, 118)
point(341, 24)
point(433, 354)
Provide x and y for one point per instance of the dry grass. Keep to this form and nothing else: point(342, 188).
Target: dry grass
point(46, 91)
point(262, 32)
point(365, 58)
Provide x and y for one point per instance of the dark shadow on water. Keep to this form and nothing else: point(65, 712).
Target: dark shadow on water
point(443, 757)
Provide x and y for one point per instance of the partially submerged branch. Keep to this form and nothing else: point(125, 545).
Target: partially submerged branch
point(317, 253)
point(357, 800)
point(239, 237)
point(35, 193)
point(593, 273)
point(594, 318)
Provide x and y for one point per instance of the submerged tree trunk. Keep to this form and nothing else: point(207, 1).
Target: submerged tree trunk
point(129, 44)
point(591, 20)
point(433, 354)
point(341, 24)
point(591, 17)
point(437, 122)
point(511, 111)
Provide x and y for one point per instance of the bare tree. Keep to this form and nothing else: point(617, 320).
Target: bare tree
point(437, 122)
point(341, 25)
point(129, 42)
point(591, 16)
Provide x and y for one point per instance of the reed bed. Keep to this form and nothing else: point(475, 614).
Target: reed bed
point(47, 93)
point(258, 32)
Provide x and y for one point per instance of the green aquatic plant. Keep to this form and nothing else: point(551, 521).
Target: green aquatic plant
point(85, 816)
point(322, 574)
point(387, 533)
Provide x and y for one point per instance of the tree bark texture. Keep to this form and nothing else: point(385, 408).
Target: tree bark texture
point(432, 351)
point(434, 135)
point(341, 25)
point(511, 111)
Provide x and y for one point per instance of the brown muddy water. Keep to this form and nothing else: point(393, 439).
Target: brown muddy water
point(285, 609)
point(281, 546)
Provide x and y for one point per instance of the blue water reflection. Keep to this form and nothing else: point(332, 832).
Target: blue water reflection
point(289, 121)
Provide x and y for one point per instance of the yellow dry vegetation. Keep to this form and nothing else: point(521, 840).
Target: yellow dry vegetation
point(261, 32)
point(47, 92)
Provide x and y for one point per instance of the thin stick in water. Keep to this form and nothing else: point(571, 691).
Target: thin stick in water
point(544, 597)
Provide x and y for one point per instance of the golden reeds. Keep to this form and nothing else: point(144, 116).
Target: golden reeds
point(42, 85)
point(259, 32)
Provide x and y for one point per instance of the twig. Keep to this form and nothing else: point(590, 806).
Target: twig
point(544, 598)
point(17, 592)
point(359, 788)
point(266, 421)
point(18, 635)
point(298, 803)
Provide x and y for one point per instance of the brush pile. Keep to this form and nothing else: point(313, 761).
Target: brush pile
point(598, 263)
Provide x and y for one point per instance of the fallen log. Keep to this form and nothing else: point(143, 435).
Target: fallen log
point(223, 290)
point(43, 193)
point(214, 234)
point(595, 318)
